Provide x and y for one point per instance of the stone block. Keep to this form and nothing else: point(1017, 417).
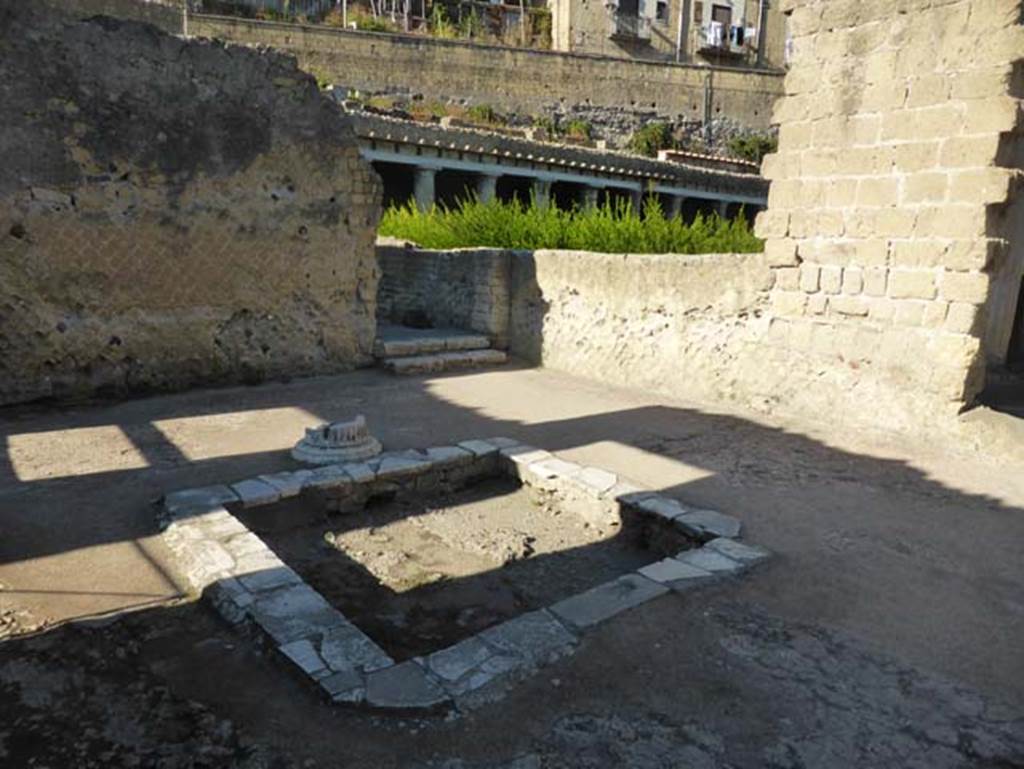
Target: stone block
point(294, 612)
point(253, 492)
point(710, 560)
point(203, 499)
point(967, 287)
point(360, 472)
point(479, 448)
point(447, 456)
point(403, 687)
point(738, 551)
point(453, 663)
point(303, 654)
point(389, 468)
point(344, 686)
point(346, 647)
point(269, 579)
point(287, 484)
point(912, 284)
point(329, 477)
point(671, 571)
point(537, 636)
point(503, 443)
point(596, 481)
point(708, 523)
point(660, 507)
point(553, 467)
point(605, 601)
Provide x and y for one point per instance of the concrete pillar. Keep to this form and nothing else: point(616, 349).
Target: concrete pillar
point(683, 31)
point(541, 193)
point(423, 188)
point(486, 187)
point(636, 197)
point(675, 206)
point(588, 196)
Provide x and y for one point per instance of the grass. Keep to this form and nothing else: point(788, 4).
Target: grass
point(606, 229)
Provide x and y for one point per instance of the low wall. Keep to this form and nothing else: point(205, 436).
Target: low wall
point(466, 289)
point(173, 213)
point(604, 89)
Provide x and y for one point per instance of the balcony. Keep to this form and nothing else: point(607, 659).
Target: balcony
point(626, 26)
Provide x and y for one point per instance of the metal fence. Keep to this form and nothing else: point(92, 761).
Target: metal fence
point(312, 9)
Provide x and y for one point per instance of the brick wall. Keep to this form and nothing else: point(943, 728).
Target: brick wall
point(891, 218)
point(523, 81)
point(467, 289)
point(172, 213)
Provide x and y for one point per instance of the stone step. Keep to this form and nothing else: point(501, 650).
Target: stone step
point(444, 361)
point(392, 343)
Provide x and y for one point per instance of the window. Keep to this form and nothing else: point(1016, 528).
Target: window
point(661, 12)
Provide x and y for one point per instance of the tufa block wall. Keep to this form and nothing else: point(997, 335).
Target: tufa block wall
point(172, 213)
point(467, 288)
point(891, 214)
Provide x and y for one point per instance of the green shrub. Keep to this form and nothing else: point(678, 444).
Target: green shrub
point(752, 147)
point(482, 113)
point(440, 25)
point(608, 229)
point(579, 129)
point(651, 138)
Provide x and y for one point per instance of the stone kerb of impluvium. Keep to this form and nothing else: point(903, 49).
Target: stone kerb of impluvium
point(329, 444)
point(247, 583)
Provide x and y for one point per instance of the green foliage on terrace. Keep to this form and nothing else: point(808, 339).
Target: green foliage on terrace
point(611, 228)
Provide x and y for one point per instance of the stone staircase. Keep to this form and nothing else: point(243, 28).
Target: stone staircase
point(402, 350)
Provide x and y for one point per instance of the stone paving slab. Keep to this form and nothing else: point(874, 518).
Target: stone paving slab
point(404, 687)
point(552, 467)
point(596, 480)
point(198, 499)
point(479, 448)
point(288, 484)
point(658, 506)
point(710, 560)
point(538, 636)
point(605, 601)
point(737, 551)
point(671, 570)
point(708, 523)
point(447, 456)
point(328, 477)
point(254, 492)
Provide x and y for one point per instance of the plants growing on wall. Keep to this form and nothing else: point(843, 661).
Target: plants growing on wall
point(753, 147)
point(611, 228)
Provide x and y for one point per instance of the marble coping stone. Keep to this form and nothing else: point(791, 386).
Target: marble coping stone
point(248, 584)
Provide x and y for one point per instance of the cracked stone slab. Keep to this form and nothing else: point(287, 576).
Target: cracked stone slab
point(344, 686)
point(303, 654)
point(328, 477)
point(479, 448)
point(487, 671)
point(200, 499)
point(288, 484)
point(254, 492)
point(346, 647)
point(708, 523)
point(453, 663)
point(605, 601)
point(230, 599)
point(738, 551)
point(536, 636)
point(675, 573)
point(709, 560)
point(295, 612)
point(405, 686)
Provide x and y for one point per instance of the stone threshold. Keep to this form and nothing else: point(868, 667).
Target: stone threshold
point(248, 584)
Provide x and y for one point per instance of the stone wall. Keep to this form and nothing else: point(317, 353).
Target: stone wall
point(890, 219)
point(172, 213)
point(467, 289)
point(613, 91)
point(680, 325)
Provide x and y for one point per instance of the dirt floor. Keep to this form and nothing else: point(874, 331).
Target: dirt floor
point(418, 575)
point(887, 632)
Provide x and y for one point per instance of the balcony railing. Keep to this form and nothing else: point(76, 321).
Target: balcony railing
point(630, 27)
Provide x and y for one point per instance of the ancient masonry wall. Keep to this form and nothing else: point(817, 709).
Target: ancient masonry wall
point(467, 289)
point(614, 92)
point(172, 213)
point(166, 14)
point(891, 212)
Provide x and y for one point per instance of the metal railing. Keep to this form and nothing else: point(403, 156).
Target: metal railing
point(630, 27)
